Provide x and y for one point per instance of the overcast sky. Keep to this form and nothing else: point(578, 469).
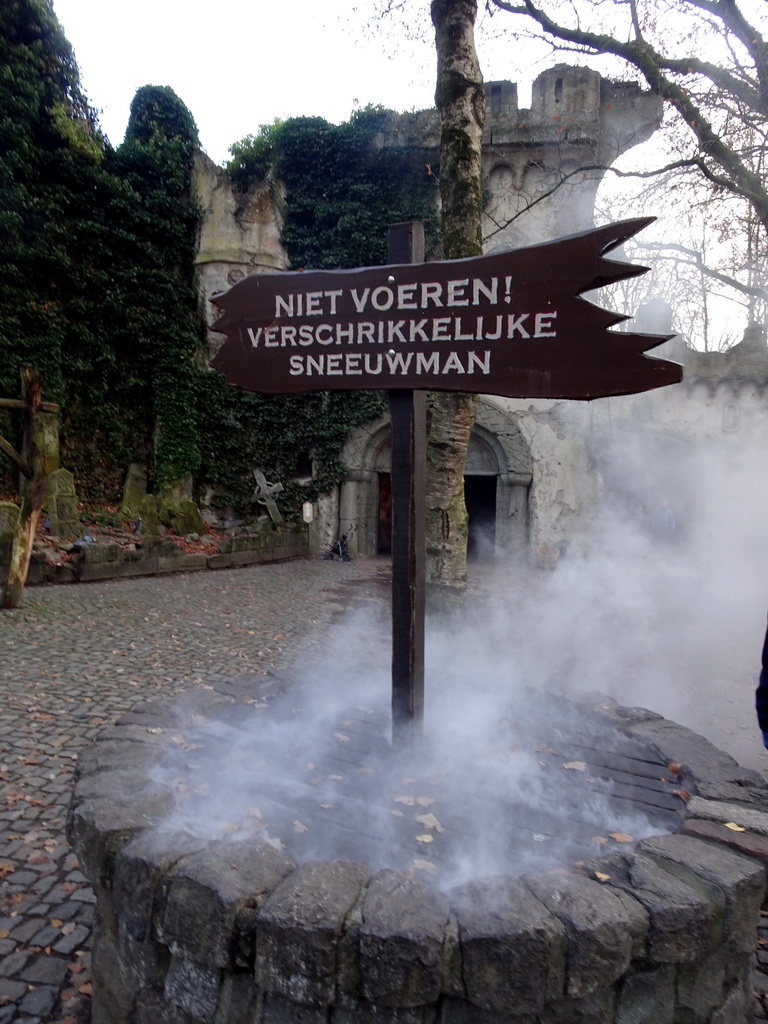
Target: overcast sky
point(238, 64)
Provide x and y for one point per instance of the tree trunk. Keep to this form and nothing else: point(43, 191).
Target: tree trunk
point(461, 105)
point(33, 492)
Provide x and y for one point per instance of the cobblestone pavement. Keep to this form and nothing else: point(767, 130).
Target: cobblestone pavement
point(73, 658)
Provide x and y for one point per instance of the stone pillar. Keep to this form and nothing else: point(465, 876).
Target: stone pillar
point(62, 505)
point(512, 512)
point(134, 490)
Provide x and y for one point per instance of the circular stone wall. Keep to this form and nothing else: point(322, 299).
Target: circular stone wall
point(242, 929)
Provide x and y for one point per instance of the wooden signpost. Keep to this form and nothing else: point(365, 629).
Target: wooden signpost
point(512, 323)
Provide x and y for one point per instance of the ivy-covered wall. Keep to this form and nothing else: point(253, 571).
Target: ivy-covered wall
point(98, 247)
point(341, 195)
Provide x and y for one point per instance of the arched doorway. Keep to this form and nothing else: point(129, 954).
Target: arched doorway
point(497, 483)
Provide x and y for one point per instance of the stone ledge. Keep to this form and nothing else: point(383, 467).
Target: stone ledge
point(154, 557)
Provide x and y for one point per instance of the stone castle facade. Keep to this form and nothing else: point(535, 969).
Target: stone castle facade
point(538, 472)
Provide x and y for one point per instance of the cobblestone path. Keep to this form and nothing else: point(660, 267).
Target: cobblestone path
point(72, 658)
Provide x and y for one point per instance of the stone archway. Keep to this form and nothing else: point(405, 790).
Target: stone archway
point(497, 482)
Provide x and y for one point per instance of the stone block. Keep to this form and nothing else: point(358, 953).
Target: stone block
point(140, 879)
point(599, 944)
point(348, 1012)
point(752, 818)
point(639, 923)
point(240, 1001)
point(459, 1011)
point(134, 490)
point(114, 992)
point(207, 889)
point(62, 505)
point(97, 553)
point(734, 1010)
point(512, 948)
point(150, 520)
point(401, 940)
point(596, 1008)
point(298, 929)
point(128, 782)
point(153, 1008)
point(194, 987)
point(98, 829)
point(717, 775)
point(744, 842)
point(181, 562)
point(739, 881)
point(278, 1010)
point(647, 997)
point(62, 482)
point(700, 988)
point(182, 516)
point(107, 755)
point(682, 921)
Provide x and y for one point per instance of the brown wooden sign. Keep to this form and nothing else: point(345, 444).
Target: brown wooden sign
point(511, 323)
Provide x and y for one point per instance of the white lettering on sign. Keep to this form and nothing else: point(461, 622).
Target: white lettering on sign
point(352, 364)
point(428, 330)
point(411, 295)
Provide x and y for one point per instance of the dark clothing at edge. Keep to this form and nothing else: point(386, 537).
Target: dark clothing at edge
point(761, 696)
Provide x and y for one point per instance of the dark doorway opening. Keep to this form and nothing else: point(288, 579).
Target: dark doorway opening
point(480, 499)
point(384, 537)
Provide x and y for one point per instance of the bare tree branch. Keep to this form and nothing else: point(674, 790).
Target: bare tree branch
point(715, 151)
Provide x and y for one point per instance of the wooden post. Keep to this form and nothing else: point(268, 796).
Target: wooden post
point(408, 413)
point(33, 490)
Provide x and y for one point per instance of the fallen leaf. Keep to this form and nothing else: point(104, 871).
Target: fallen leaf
point(425, 801)
point(684, 795)
point(336, 778)
point(601, 877)
point(54, 922)
point(298, 828)
point(68, 928)
point(365, 770)
point(418, 864)
point(621, 837)
point(326, 807)
point(154, 729)
point(397, 814)
point(4, 933)
point(85, 989)
point(599, 840)
point(733, 826)
point(409, 801)
point(7, 867)
point(675, 767)
point(575, 766)
point(430, 821)
point(425, 839)
point(77, 968)
point(341, 737)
